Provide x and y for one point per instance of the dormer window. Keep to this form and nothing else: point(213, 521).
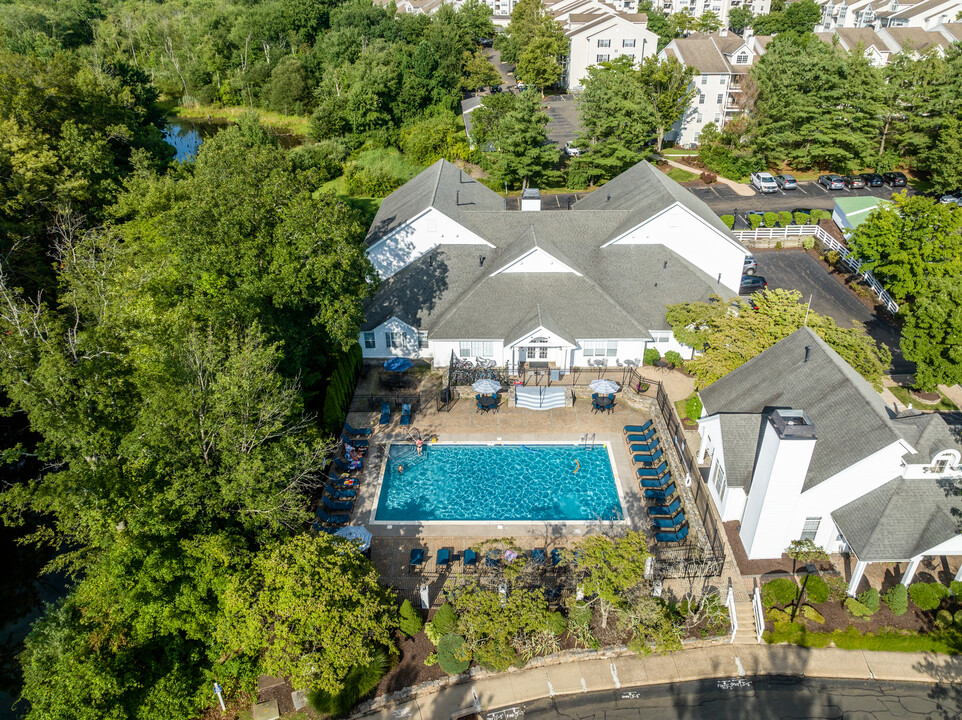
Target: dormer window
point(944, 461)
point(742, 59)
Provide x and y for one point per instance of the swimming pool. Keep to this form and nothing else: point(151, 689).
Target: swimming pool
point(496, 482)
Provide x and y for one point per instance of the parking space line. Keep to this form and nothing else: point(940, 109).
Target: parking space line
point(799, 187)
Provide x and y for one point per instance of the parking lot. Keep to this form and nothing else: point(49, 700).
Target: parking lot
point(562, 110)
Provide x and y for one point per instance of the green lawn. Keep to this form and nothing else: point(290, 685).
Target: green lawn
point(902, 394)
point(366, 205)
point(678, 151)
point(679, 175)
point(852, 639)
point(295, 124)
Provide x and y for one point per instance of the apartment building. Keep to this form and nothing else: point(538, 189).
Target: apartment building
point(595, 39)
point(696, 8)
point(922, 14)
point(885, 43)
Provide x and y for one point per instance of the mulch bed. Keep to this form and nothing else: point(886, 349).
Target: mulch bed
point(925, 397)
point(780, 566)
point(411, 669)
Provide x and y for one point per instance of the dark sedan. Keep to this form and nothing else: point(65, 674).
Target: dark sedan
point(853, 182)
point(895, 179)
point(873, 179)
point(786, 182)
point(831, 182)
point(752, 283)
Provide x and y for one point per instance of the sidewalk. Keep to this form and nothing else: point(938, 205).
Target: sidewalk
point(626, 671)
point(739, 188)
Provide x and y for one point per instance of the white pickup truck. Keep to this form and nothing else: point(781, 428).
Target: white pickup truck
point(764, 182)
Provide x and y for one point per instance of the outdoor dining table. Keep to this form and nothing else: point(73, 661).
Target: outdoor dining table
point(604, 403)
point(488, 403)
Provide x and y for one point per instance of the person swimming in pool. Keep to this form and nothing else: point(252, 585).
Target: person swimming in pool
point(419, 443)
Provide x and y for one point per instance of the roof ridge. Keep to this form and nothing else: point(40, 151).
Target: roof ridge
point(437, 182)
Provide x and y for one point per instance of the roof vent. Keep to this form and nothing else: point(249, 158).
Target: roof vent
point(808, 352)
point(531, 199)
point(481, 260)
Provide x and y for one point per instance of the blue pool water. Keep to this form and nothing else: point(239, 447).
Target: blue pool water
point(498, 482)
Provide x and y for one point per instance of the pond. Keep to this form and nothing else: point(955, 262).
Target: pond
point(187, 134)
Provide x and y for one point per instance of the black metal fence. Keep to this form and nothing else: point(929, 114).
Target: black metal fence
point(417, 401)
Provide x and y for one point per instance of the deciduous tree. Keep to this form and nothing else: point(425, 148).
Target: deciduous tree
point(668, 85)
point(932, 333)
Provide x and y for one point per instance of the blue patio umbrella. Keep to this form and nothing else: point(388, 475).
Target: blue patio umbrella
point(398, 364)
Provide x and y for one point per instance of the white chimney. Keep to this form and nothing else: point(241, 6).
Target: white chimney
point(531, 199)
point(769, 521)
point(723, 32)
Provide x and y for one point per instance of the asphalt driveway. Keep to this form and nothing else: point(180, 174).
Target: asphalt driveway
point(797, 270)
point(723, 200)
point(565, 123)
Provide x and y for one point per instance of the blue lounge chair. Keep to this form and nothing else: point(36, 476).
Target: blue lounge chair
point(647, 441)
point(385, 413)
point(643, 449)
point(417, 559)
point(645, 437)
point(556, 557)
point(538, 556)
point(665, 510)
point(470, 558)
point(339, 505)
point(661, 495)
point(648, 459)
point(629, 429)
point(345, 466)
point(337, 519)
point(359, 444)
point(363, 432)
point(653, 472)
point(673, 537)
point(444, 557)
point(664, 524)
point(406, 414)
point(326, 529)
point(656, 483)
point(341, 481)
point(341, 493)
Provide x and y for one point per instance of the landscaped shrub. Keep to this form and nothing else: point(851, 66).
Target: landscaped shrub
point(857, 609)
point(693, 407)
point(557, 623)
point(837, 587)
point(340, 389)
point(755, 221)
point(454, 656)
point(870, 599)
point(708, 177)
point(358, 683)
point(651, 356)
point(957, 618)
point(897, 599)
point(810, 613)
point(943, 618)
point(410, 621)
point(927, 596)
point(820, 215)
point(673, 358)
point(378, 172)
point(784, 218)
point(495, 654)
point(780, 591)
point(445, 620)
point(955, 587)
point(729, 220)
point(808, 243)
point(770, 219)
point(816, 589)
point(801, 218)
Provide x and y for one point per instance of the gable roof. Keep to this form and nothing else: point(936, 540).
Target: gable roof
point(702, 54)
point(742, 437)
point(915, 39)
point(953, 30)
point(851, 37)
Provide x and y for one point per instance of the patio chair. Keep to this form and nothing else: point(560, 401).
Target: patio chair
point(360, 445)
point(672, 523)
point(656, 483)
point(645, 448)
point(645, 437)
point(336, 519)
point(673, 537)
point(406, 414)
point(665, 510)
point(647, 459)
point(444, 557)
point(556, 557)
point(653, 472)
point(341, 481)
point(344, 466)
point(362, 432)
point(317, 527)
point(661, 495)
point(630, 429)
point(539, 557)
point(340, 493)
point(339, 505)
point(469, 558)
point(385, 414)
point(417, 560)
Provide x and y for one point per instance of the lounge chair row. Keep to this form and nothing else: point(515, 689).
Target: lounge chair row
point(666, 514)
point(446, 557)
point(386, 414)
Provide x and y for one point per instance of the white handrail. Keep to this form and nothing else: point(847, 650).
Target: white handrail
point(730, 602)
point(759, 614)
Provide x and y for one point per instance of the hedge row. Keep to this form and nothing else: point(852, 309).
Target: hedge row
point(340, 389)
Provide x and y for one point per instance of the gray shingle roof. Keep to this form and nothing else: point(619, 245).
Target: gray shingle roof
point(901, 519)
point(742, 433)
point(851, 37)
point(702, 54)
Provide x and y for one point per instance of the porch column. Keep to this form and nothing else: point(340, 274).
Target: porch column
point(958, 575)
point(702, 449)
point(910, 570)
point(857, 573)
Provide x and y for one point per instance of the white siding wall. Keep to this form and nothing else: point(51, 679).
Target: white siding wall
point(710, 85)
point(584, 47)
point(409, 341)
point(664, 346)
point(731, 505)
point(705, 247)
point(627, 350)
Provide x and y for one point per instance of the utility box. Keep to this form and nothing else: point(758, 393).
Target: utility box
point(531, 200)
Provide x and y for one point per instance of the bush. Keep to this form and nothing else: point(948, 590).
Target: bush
point(729, 220)
point(708, 177)
point(808, 243)
point(454, 656)
point(755, 221)
point(832, 257)
point(557, 623)
point(784, 218)
point(378, 172)
point(837, 587)
point(770, 219)
point(817, 589)
point(927, 596)
point(955, 587)
point(693, 407)
point(777, 616)
point(340, 389)
point(431, 659)
point(359, 682)
point(897, 599)
point(495, 654)
point(957, 618)
point(410, 621)
point(780, 591)
point(673, 358)
point(943, 618)
point(857, 609)
point(438, 136)
point(445, 620)
point(870, 599)
point(801, 218)
point(820, 215)
point(327, 158)
point(651, 356)
point(778, 244)
point(810, 613)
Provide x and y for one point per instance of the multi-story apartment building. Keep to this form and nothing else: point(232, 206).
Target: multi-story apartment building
point(924, 14)
point(722, 60)
point(883, 44)
point(696, 8)
point(596, 39)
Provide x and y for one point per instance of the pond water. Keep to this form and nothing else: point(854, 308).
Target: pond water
point(186, 135)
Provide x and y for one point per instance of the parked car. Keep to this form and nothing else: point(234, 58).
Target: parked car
point(952, 198)
point(496, 89)
point(786, 182)
point(764, 182)
point(831, 182)
point(751, 266)
point(571, 151)
point(522, 86)
point(486, 42)
point(853, 182)
point(752, 283)
point(759, 213)
point(895, 179)
point(872, 180)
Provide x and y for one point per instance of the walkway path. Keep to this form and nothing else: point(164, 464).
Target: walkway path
point(627, 671)
point(953, 393)
point(739, 188)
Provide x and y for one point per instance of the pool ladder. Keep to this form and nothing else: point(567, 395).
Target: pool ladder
point(588, 441)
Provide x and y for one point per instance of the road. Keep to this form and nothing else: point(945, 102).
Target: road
point(766, 698)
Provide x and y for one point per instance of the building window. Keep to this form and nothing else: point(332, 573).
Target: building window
point(476, 348)
point(660, 336)
point(369, 341)
point(719, 481)
point(600, 348)
point(423, 339)
point(700, 119)
point(701, 99)
point(721, 98)
point(742, 59)
point(628, 42)
point(810, 529)
point(717, 118)
point(604, 43)
point(602, 58)
point(704, 79)
point(394, 340)
point(630, 56)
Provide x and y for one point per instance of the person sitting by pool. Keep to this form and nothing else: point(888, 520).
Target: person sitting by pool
point(419, 443)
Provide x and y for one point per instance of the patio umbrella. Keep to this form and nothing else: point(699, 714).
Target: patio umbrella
point(486, 386)
point(604, 386)
point(398, 364)
point(356, 532)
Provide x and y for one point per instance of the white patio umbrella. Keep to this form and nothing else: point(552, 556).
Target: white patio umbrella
point(604, 386)
point(356, 532)
point(486, 386)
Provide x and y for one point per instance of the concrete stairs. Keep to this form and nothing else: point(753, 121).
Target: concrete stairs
point(745, 635)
